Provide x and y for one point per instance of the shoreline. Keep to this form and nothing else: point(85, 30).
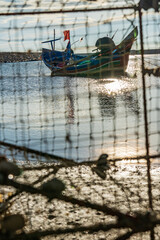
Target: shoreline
point(9, 57)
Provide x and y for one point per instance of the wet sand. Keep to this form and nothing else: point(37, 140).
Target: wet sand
point(125, 188)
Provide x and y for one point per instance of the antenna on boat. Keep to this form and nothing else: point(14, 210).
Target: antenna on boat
point(78, 40)
point(54, 33)
point(114, 34)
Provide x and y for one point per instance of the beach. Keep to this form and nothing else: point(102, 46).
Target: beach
point(124, 189)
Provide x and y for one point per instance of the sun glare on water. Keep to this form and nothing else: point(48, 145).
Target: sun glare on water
point(113, 86)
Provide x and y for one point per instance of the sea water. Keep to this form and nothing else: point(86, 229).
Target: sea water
point(79, 118)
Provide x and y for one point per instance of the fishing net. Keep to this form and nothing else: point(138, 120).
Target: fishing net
point(79, 156)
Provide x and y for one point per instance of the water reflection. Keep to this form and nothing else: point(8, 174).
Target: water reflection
point(107, 104)
point(69, 101)
point(131, 102)
point(115, 93)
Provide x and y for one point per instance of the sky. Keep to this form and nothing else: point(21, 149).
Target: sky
point(26, 32)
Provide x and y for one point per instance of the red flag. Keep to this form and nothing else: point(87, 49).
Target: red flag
point(66, 35)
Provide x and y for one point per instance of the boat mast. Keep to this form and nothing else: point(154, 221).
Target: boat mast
point(54, 38)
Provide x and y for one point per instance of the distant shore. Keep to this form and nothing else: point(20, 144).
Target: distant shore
point(146, 51)
point(7, 57)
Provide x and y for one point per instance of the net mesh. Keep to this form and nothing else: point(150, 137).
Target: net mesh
point(79, 154)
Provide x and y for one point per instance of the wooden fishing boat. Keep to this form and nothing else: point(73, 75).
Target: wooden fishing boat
point(108, 58)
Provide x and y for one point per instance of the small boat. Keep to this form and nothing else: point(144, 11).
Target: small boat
point(107, 58)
